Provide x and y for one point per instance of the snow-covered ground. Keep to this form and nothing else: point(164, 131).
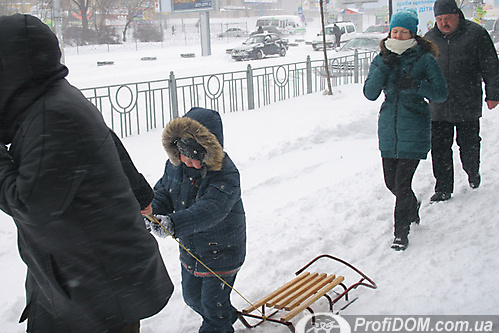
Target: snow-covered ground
point(84, 72)
point(312, 184)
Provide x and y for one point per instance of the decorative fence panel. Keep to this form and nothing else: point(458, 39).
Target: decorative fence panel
point(132, 108)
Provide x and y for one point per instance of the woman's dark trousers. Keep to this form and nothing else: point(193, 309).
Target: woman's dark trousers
point(398, 179)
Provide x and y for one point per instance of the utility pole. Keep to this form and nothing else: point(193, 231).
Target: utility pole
point(204, 25)
point(58, 28)
point(326, 66)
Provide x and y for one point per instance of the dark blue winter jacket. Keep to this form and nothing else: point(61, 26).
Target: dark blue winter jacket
point(205, 205)
point(404, 119)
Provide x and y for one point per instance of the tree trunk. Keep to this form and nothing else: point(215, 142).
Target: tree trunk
point(326, 66)
point(124, 31)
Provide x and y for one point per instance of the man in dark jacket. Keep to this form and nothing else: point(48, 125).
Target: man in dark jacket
point(92, 266)
point(200, 195)
point(337, 35)
point(467, 56)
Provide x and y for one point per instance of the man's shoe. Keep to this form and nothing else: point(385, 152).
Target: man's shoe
point(474, 181)
point(440, 196)
point(400, 243)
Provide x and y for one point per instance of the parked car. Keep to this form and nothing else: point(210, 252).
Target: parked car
point(259, 46)
point(367, 42)
point(348, 32)
point(267, 30)
point(343, 64)
point(378, 29)
point(234, 32)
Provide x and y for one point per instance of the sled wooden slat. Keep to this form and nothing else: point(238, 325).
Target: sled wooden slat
point(275, 292)
point(291, 289)
point(308, 293)
point(301, 293)
point(312, 299)
point(307, 286)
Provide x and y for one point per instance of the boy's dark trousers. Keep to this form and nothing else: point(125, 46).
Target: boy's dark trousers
point(210, 298)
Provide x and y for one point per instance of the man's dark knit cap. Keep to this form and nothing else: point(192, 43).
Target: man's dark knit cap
point(443, 7)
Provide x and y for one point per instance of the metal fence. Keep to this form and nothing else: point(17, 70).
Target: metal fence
point(133, 108)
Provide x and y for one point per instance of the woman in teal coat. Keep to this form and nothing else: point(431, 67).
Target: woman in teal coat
point(407, 72)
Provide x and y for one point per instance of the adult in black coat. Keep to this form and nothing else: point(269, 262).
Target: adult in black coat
point(92, 265)
point(141, 189)
point(337, 35)
point(467, 57)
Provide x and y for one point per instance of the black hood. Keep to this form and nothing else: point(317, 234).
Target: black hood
point(29, 65)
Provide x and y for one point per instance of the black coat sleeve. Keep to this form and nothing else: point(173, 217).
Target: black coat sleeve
point(140, 187)
point(489, 65)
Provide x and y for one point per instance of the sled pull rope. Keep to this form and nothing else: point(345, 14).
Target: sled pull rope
point(153, 219)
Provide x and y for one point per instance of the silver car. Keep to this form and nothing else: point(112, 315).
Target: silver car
point(234, 32)
point(342, 63)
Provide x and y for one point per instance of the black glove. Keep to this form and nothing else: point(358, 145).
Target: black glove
point(406, 81)
point(392, 60)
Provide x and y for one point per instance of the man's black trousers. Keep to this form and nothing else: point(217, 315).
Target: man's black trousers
point(442, 138)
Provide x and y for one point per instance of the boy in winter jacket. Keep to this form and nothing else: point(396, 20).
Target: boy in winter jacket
point(92, 266)
point(198, 199)
point(407, 72)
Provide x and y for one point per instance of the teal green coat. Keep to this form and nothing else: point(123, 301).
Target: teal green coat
point(404, 125)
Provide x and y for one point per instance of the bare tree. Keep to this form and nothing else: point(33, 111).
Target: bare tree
point(83, 6)
point(102, 10)
point(45, 11)
point(133, 7)
point(461, 3)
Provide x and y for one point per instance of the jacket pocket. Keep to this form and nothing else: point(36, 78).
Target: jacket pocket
point(59, 279)
point(75, 184)
point(215, 250)
point(418, 107)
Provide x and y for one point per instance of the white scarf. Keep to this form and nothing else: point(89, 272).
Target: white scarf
point(400, 46)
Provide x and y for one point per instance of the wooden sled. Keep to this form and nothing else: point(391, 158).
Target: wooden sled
point(300, 293)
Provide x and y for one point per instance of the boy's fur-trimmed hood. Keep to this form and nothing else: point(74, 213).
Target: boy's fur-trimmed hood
point(202, 125)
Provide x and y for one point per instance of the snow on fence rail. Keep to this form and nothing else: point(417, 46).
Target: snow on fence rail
point(132, 108)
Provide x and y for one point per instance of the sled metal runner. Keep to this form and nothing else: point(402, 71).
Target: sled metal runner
point(301, 292)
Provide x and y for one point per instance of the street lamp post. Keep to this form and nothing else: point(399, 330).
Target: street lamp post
point(58, 28)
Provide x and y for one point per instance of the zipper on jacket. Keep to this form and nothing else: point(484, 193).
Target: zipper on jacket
point(447, 106)
point(396, 114)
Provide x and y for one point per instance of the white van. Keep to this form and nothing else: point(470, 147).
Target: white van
point(348, 32)
point(286, 24)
